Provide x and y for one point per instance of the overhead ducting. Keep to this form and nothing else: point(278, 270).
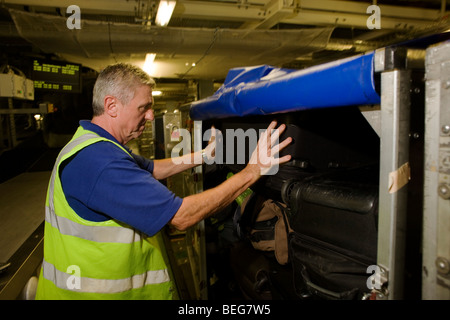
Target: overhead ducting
point(213, 51)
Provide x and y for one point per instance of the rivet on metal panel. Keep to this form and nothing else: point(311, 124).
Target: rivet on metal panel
point(446, 84)
point(444, 191)
point(445, 129)
point(443, 266)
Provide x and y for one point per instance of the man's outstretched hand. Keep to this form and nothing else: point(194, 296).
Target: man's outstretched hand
point(264, 159)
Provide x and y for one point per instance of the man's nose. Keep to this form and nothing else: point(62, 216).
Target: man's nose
point(149, 116)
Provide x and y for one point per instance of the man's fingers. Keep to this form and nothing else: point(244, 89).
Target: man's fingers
point(276, 149)
point(275, 134)
point(213, 134)
point(284, 159)
point(285, 142)
point(269, 137)
point(272, 125)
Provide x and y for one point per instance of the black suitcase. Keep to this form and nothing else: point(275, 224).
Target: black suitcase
point(334, 219)
point(259, 276)
point(323, 140)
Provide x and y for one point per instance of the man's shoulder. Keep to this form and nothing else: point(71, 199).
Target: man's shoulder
point(104, 148)
point(96, 156)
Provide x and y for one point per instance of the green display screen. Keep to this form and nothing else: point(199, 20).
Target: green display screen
point(56, 76)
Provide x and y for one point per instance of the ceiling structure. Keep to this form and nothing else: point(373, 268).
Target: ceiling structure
point(204, 39)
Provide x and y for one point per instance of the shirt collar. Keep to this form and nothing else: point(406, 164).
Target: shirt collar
point(88, 125)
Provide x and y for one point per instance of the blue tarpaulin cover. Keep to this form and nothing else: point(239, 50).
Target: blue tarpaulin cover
point(265, 89)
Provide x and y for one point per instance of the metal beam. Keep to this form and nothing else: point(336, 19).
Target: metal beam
point(217, 11)
point(255, 15)
point(436, 198)
point(276, 11)
point(358, 7)
point(394, 172)
point(20, 111)
point(119, 7)
point(315, 17)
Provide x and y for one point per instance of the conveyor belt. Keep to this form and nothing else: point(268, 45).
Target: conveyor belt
point(22, 205)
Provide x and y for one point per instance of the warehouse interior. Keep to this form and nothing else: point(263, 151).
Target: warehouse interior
point(191, 56)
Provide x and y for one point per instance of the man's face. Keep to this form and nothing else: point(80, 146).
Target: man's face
point(133, 116)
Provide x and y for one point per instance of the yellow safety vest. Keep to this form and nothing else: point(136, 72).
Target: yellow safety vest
point(97, 260)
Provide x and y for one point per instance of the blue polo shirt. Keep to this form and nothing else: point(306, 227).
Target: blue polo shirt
point(102, 182)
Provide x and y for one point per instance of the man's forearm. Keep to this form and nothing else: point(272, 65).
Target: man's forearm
point(164, 168)
point(200, 206)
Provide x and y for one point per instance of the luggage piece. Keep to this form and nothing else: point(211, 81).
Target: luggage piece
point(264, 223)
point(334, 218)
point(322, 140)
point(260, 276)
point(251, 270)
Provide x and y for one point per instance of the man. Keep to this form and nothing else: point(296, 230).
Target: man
point(105, 206)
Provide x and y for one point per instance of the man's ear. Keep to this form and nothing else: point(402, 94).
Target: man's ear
point(110, 105)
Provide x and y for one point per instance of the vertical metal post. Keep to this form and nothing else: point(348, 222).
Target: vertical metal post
point(394, 173)
point(436, 199)
point(205, 89)
point(2, 142)
point(12, 125)
point(198, 135)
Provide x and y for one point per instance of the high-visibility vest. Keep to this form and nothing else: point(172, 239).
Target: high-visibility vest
point(97, 260)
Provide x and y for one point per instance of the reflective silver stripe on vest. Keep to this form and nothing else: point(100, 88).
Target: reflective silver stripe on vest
point(69, 227)
point(88, 285)
point(92, 233)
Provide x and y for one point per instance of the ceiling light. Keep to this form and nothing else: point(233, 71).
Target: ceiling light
point(165, 11)
point(149, 58)
point(156, 93)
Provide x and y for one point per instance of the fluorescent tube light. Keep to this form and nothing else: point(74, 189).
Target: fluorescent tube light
point(149, 58)
point(164, 13)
